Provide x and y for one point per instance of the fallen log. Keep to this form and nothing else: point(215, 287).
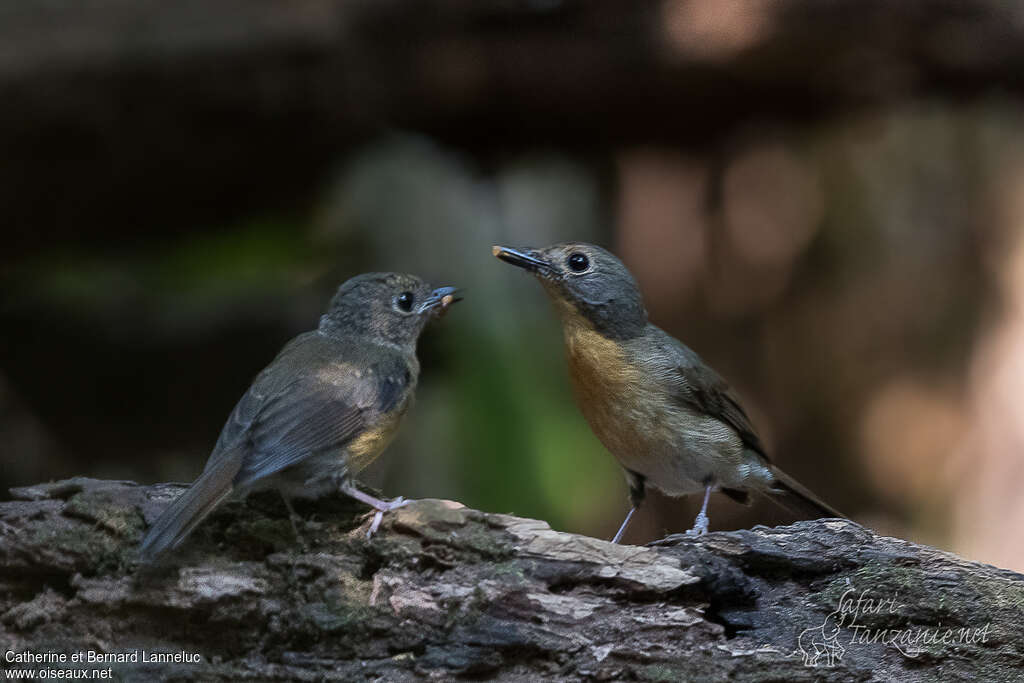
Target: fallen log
point(444, 592)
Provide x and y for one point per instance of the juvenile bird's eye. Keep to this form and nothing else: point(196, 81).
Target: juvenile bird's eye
point(578, 262)
point(404, 301)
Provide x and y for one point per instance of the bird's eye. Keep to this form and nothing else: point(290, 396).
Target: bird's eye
point(578, 262)
point(404, 301)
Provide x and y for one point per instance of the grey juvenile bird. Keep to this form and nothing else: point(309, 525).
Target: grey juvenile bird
point(669, 419)
point(322, 410)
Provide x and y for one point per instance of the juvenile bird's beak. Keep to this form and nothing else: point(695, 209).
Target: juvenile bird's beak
point(440, 299)
point(523, 259)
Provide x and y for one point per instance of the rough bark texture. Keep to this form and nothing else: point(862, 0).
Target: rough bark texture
point(445, 592)
point(135, 113)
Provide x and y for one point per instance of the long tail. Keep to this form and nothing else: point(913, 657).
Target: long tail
point(793, 496)
point(184, 514)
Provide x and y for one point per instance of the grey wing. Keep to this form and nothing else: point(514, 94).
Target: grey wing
point(267, 385)
point(233, 434)
point(310, 417)
point(303, 419)
point(699, 387)
point(319, 412)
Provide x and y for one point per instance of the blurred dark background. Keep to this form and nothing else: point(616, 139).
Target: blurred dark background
point(824, 199)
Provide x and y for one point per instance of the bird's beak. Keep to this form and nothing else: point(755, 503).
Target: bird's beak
point(523, 259)
point(439, 300)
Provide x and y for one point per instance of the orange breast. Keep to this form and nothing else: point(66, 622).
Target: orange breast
point(630, 411)
point(611, 393)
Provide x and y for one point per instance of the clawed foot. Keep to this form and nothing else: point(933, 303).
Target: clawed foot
point(378, 515)
point(379, 506)
point(700, 525)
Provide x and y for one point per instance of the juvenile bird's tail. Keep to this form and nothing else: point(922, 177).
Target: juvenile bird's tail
point(788, 493)
point(184, 514)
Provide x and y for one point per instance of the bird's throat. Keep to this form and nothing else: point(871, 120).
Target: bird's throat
point(598, 368)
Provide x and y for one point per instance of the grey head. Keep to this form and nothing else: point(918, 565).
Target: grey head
point(585, 280)
point(387, 308)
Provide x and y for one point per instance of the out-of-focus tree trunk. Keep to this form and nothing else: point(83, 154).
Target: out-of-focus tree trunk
point(120, 114)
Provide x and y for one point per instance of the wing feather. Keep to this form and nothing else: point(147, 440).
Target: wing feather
point(309, 422)
point(698, 387)
point(318, 395)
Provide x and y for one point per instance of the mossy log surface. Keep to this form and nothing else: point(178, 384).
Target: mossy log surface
point(444, 591)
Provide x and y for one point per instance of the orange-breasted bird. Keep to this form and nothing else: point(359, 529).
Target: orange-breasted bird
point(322, 410)
point(670, 420)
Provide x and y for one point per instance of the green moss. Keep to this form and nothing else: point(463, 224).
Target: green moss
point(662, 672)
point(106, 511)
point(93, 553)
point(1002, 594)
point(911, 587)
point(337, 616)
point(510, 573)
point(477, 539)
point(925, 609)
point(106, 539)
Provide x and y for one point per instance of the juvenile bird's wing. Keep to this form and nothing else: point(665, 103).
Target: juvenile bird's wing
point(337, 395)
point(190, 508)
point(283, 371)
point(317, 395)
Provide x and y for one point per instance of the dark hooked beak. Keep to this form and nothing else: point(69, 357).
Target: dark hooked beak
point(523, 259)
point(440, 299)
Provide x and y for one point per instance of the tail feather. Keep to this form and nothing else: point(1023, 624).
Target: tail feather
point(793, 496)
point(184, 514)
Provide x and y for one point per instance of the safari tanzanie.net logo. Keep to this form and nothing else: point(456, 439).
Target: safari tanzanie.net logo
point(855, 623)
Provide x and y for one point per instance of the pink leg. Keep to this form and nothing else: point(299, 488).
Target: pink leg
point(381, 506)
point(700, 525)
point(625, 523)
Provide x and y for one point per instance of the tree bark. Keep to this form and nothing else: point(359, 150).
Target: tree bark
point(444, 592)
